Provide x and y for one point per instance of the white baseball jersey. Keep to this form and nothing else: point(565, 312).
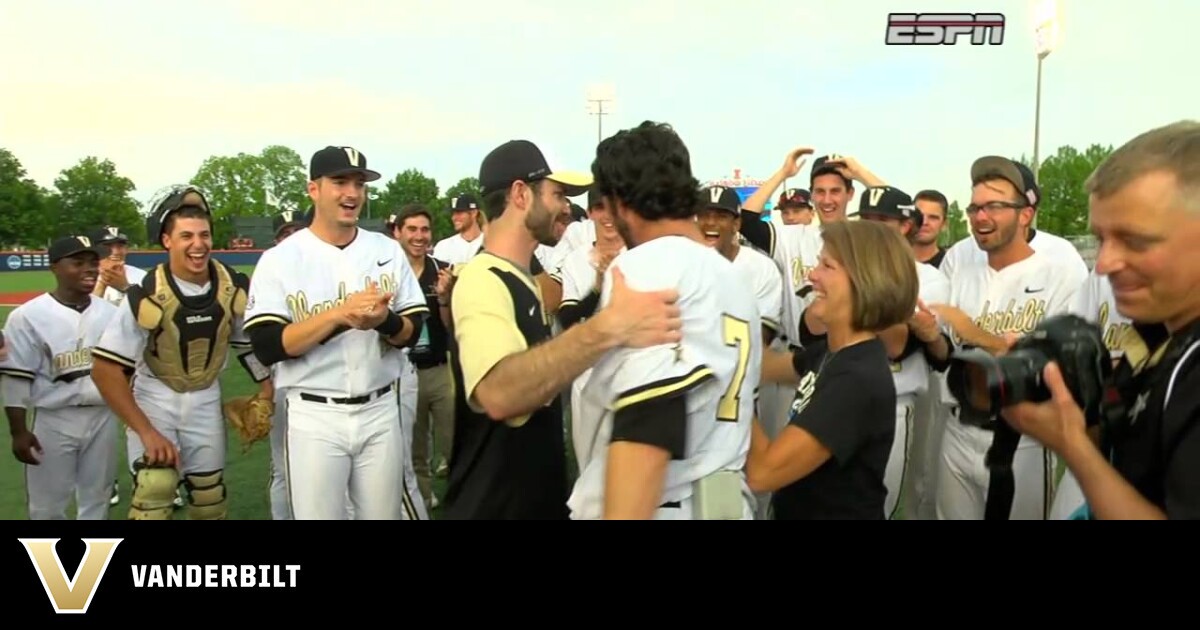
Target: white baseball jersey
point(796, 249)
point(124, 342)
point(1096, 304)
point(304, 276)
point(544, 255)
point(457, 250)
point(50, 350)
point(718, 364)
point(578, 235)
point(765, 280)
point(133, 275)
point(912, 374)
point(1015, 299)
point(967, 251)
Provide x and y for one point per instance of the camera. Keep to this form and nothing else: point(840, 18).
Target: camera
point(984, 384)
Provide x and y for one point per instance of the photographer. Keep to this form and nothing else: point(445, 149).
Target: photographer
point(1145, 209)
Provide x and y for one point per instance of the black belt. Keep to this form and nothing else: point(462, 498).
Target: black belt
point(425, 365)
point(353, 400)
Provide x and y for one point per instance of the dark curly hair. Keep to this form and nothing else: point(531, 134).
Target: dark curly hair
point(649, 170)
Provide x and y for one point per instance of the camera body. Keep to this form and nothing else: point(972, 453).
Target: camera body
point(984, 384)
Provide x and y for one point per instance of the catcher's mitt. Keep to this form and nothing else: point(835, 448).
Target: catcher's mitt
point(251, 417)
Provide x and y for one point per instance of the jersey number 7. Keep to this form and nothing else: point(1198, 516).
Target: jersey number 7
point(736, 334)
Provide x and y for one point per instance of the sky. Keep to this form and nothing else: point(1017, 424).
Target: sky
point(157, 87)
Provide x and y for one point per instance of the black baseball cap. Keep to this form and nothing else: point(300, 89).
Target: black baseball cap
point(577, 212)
point(825, 165)
point(722, 198)
point(464, 203)
point(109, 234)
point(522, 160)
point(1015, 172)
point(71, 245)
point(885, 201)
point(794, 198)
point(333, 161)
point(289, 218)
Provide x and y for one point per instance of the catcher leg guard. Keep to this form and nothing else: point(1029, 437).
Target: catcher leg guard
point(153, 493)
point(206, 496)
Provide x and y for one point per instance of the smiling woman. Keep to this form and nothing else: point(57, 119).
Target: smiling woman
point(830, 460)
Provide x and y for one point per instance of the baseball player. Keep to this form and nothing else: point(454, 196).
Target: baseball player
point(581, 276)
point(793, 208)
point(285, 223)
point(174, 335)
point(991, 304)
point(115, 279)
point(115, 276)
point(330, 308)
point(914, 347)
point(720, 220)
point(69, 450)
point(665, 430)
point(468, 236)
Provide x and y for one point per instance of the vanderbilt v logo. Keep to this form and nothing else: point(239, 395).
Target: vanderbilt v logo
point(71, 596)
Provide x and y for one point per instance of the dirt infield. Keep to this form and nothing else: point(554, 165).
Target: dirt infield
point(17, 298)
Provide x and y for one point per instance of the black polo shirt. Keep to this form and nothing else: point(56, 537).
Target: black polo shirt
point(516, 468)
point(1157, 448)
point(430, 350)
point(847, 401)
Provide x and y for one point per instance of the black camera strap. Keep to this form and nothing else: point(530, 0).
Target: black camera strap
point(1002, 485)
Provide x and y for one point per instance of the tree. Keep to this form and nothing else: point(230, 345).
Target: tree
point(93, 194)
point(238, 186)
point(1064, 206)
point(22, 206)
point(956, 226)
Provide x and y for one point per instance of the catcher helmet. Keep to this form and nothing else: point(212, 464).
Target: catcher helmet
point(169, 200)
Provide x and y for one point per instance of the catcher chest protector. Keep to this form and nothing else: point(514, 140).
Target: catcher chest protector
point(189, 336)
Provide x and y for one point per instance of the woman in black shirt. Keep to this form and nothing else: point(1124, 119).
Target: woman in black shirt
point(829, 462)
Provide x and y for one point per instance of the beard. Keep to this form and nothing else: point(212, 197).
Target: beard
point(540, 223)
point(623, 229)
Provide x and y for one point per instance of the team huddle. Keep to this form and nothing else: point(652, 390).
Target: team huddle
point(698, 361)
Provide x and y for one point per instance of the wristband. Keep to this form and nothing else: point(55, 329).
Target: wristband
point(391, 325)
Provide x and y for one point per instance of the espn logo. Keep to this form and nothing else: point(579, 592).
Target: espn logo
point(931, 29)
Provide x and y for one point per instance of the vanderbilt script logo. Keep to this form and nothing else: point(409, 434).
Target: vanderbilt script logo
point(70, 595)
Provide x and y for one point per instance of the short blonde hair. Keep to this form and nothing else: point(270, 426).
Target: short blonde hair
point(882, 270)
point(1173, 148)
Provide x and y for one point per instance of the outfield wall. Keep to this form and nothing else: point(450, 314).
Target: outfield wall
point(38, 260)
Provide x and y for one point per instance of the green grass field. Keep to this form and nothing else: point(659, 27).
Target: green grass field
point(247, 475)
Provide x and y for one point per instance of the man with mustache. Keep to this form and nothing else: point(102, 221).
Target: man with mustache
point(433, 395)
point(68, 452)
point(175, 333)
point(331, 308)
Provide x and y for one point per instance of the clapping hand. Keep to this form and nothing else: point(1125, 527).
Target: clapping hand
point(924, 324)
point(366, 309)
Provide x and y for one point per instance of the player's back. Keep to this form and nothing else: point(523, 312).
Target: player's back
point(717, 364)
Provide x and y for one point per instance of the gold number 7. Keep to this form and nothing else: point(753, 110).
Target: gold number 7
point(736, 334)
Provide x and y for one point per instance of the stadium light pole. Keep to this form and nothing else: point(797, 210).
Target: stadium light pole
point(1046, 38)
point(600, 97)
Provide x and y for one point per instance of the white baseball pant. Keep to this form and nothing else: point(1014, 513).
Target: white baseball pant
point(337, 451)
point(920, 498)
point(900, 460)
point(77, 460)
point(277, 489)
point(192, 421)
point(413, 503)
point(963, 476)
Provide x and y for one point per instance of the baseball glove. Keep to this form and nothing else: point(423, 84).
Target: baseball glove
point(251, 417)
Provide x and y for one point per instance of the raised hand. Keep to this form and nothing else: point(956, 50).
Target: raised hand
point(794, 161)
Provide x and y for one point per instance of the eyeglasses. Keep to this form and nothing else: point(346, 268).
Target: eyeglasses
point(994, 206)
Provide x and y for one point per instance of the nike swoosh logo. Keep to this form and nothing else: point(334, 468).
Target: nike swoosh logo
point(384, 262)
point(1028, 290)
